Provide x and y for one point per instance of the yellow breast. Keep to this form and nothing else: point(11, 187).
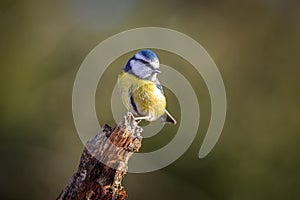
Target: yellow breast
point(148, 98)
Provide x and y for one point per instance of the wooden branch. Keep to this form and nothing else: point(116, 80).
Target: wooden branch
point(103, 163)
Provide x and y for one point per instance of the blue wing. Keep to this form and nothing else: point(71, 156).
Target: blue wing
point(159, 86)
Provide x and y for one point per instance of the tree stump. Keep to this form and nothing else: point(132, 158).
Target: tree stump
point(103, 163)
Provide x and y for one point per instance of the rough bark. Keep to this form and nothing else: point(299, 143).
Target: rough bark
point(103, 163)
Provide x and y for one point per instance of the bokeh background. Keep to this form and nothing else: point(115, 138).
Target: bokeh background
point(255, 44)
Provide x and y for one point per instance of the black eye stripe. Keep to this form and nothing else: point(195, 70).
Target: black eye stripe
point(144, 62)
point(141, 60)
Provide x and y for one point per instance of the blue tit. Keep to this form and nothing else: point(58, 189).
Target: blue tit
point(141, 92)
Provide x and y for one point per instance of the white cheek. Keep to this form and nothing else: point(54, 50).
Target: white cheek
point(140, 70)
point(135, 67)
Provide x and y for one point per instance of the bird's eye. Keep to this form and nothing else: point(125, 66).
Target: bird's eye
point(148, 65)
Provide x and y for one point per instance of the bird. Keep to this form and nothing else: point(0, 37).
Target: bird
point(141, 92)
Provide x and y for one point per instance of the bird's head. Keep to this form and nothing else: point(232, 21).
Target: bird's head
point(144, 65)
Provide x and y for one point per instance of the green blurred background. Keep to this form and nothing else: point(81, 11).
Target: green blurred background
point(255, 44)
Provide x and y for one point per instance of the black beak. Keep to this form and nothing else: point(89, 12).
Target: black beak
point(156, 71)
